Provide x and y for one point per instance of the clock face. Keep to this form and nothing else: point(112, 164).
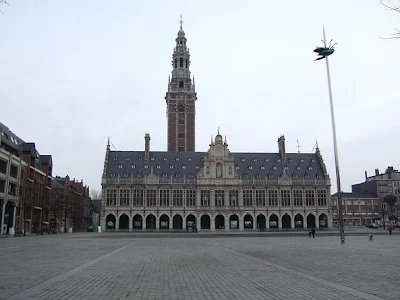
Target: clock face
point(181, 107)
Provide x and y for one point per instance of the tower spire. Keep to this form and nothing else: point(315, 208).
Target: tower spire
point(181, 21)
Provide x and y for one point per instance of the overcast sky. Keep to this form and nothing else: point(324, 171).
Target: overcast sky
point(73, 73)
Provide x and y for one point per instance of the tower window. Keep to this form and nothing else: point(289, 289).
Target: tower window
point(181, 149)
point(176, 63)
point(181, 122)
point(181, 62)
point(181, 84)
point(181, 135)
point(186, 63)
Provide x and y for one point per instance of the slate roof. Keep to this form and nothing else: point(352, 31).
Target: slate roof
point(45, 159)
point(10, 139)
point(354, 195)
point(187, 164)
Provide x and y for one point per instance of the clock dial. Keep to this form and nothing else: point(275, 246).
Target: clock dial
point(181, 107)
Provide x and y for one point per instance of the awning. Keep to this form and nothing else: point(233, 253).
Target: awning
point(45, 223)
point(37, 207)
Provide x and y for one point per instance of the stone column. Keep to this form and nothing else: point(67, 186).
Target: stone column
point(130, 223)
point(279, 221)
point(157, 223)
point(267, 222)
point(226, 216)
point(292, 221)
point(198, 198)
point(212, 222)
point(117, 223)
point(170, 223)
point(241, 223)
point(254, 223)
point(198, 223)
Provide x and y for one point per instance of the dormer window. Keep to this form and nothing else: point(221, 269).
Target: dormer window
point(126, 175)
point(286, 167)
point(250, 168)
point(164, 175)
point(318, 176)
point(120, 166)
point(112, 174)
point(309, 168)
point(127, 158)
point(189, 159)
point(245, 175)
point(165, 159)
point(183, 167)
point(158, 167)
point(278, 160)
point(190, 175)
point(274, 167)
point(152, 158)
point(313, 160)
point(243, 159)
point(262, 168)
point(266, 160)
point(301, 160)
point(146, 166)
point(294, 176)
point(254, 159)
point(115, 158)
point(269, 175)
point(171, 166)
point(298, 168)
point(133, 166)
point(197, 167)
point(139, 175)
point(140, 158)
point(289, 160)
point(177, 159)
point(257, 175)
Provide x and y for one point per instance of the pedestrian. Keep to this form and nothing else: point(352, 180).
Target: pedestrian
point(370, 237)
point(313, 232)
point(390, 228)
point(309, 234)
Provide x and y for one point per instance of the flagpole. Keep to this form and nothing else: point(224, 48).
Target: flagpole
point(339, 190)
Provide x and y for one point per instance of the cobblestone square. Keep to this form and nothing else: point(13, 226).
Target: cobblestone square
point(128, 266)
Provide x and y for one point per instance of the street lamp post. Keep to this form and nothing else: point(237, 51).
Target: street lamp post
point(323, 53)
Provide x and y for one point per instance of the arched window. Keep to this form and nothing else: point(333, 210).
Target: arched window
point(176, 63)
point(181, 84)
point(181, 62)
point(186, 63)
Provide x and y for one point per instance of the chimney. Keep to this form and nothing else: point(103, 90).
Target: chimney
point(366, 175)
point(147, 146)
point(376, 172)
point(389, 170)
point(281, 147)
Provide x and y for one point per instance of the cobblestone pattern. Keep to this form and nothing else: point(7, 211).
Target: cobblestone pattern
point(359, 264)
point(227, 268)
point(27, 261)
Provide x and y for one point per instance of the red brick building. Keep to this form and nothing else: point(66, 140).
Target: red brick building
point(181, 98)
point(70, 209)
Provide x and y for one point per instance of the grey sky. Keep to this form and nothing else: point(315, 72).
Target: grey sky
point(74, 72)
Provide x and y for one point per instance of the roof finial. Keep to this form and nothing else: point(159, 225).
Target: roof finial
point(316, 144)
point(181, 21)
point(218, 130)
point(298, 146)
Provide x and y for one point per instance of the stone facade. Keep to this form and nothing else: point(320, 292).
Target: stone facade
point(216, 190)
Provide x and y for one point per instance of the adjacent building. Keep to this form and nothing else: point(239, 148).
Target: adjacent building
point(71, 209)
point(28, 203)
point(359, 209)
point(181, 189)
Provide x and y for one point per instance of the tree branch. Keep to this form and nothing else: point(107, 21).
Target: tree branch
point(395, 9)
point(3, 2)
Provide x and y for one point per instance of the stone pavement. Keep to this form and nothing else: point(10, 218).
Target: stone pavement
point(99, 266)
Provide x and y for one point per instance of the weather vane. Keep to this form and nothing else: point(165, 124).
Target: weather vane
point(324, 51)
point(181, 21)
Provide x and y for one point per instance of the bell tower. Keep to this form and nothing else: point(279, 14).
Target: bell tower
point(181, 98)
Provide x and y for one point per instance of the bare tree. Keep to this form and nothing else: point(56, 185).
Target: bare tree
point(389, 5)
point(96, 195)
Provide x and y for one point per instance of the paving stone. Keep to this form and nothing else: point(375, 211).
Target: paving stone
point(84, 266)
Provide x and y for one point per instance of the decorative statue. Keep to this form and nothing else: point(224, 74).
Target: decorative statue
point(219, 171)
